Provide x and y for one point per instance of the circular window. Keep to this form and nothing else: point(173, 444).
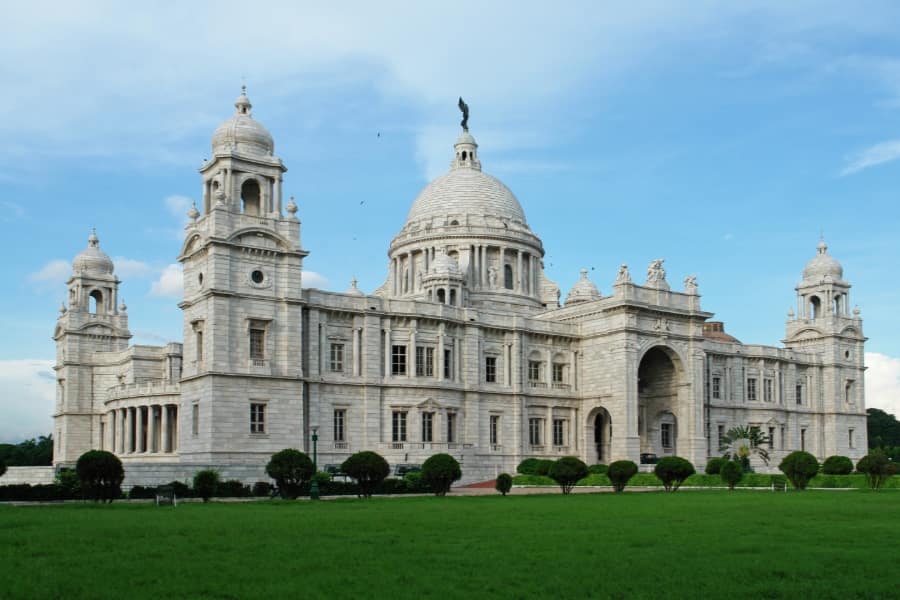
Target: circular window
point(200, 278)
point(257, 276)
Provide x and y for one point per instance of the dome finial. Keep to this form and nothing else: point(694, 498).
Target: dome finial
point(242, 104)
point(93, 240)
point(822, 247)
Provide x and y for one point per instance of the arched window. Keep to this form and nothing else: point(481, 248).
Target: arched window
point(464, 155)
point(452, 297)
point(815, 307)
point(96, 302)
point(250, 197)
point(441, 296)
point(837, 304)
point(507, 277)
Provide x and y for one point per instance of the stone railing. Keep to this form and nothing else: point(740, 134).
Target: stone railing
point(148, 388)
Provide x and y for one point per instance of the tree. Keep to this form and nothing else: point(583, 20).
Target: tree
point(567, 471)
point(290, 468)
point(883, 428)
point(2, 468)
point(206, 482)
point(101, 475)
point(742, 442)
point(837, 465)
point(672, 471)
point(368, 469)
point(439, 472)
point(30, 453)
point(731, 473)
point(504, 483)
point(877, 467)
point(714, 466)
point(799, 467)
point(620, 472)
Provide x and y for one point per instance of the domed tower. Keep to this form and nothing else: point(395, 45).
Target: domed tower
point(584, 290)
point(91, 321)
point(479, 225)
point(242, 263)
point(824, 325)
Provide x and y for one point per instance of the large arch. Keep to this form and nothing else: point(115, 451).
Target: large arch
point(599, 443)
point(660, 374)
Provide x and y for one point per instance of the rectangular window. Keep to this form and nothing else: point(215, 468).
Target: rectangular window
point(398, 360)
point(665, 431)
point(428, 427)
point(782, 438)
point(429, 362)
point(340, 417)
point(848, 391)
point(424, 361)
point(448, 364)
point(257, 418)
point(451, 428)
point(558, 369)
point(754, 430)
point(490, 369)
point(398, 429)
point(751, 390)
point(195, 420)
point(199, 338)
point(495, 430)
point(336, 358)
point(721, 436)
point(767, 390)
point(771, 438)
point(534, 370)
point(716, 388)
point(535, 426)
point(850, 440)
point(799, 393)
point(257, 344)
point(559, 428)
point(803, 439)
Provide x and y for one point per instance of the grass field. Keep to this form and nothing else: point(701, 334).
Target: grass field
point(640, 545)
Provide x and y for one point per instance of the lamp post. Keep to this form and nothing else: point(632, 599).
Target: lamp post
point(314, 486)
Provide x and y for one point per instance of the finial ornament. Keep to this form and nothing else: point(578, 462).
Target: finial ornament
point(193, 213)
point(465, 111)
point(291, 207)
point(623, 276)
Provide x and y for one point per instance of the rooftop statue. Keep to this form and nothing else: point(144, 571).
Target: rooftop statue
point(465, 111)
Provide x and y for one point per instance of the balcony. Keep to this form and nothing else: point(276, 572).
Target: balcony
point(537, 384)
point(558, 385)
point(341, 445)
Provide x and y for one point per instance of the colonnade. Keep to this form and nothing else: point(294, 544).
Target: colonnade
point(148, 429)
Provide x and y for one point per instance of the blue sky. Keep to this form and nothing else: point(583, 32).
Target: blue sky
point(723, 137)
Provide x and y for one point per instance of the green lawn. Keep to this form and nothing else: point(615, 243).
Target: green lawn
point(701, 544)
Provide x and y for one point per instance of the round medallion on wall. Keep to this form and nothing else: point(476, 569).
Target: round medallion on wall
point(259, 279)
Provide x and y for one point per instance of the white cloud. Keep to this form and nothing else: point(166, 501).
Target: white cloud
point(55, 271)
point(131, 268)
point(170, 283)
point(178, 206)
point(873, 156)
point(311, 279)
point(27, 399)
point(883, 382)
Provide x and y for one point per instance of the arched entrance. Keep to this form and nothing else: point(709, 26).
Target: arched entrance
point(659, 375)
point(601, 442)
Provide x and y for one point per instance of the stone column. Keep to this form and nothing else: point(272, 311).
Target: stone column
point(483, 269)
point(355, 351)
point(165, 444)
point(519, 287)
point(548, 429)
point(123, 436)
point(109, 442)
point(278, 188)
point(501, 269)
point(440, 353)
point(411, 351)
point(175, 428)
point(387, 348)
point(129, 430)
point(139, 429)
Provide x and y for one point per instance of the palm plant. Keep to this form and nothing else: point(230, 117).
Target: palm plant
point(741, 442)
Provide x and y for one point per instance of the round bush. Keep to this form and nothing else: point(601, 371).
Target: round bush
point(504, 483)
point(262, 489)
point(620, 472)
point(672, 471)
point(290, 468)
point(101, 475)
point(544, 465)
point(567, 471)
point(731, 473)
point(206, 482)
point(368, 469)
point(837, 465)
point(528, 466)
point(597, 469)
point(714, 466)
point(439, 472)
point(799, 467)
point(877, 467)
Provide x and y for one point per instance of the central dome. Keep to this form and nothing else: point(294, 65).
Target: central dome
point(466, 191)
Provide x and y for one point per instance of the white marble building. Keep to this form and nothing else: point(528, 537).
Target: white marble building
point(464, 349)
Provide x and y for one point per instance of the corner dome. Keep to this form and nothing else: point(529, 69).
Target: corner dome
point(92, 260)
point(242, 133)
point(584, 290)
point(353, 290)
point(822, 266)
point(444, 266)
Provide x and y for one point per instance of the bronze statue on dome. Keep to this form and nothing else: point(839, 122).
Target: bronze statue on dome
point(465, 111)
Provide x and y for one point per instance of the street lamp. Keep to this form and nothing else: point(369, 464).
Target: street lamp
point(314, 486)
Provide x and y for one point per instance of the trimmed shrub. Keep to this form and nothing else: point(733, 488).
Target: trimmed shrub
point(290, 468)
point(714, 466)
point(837, 465)
point(139, 492)
point(368, 468)
point(597, 469)
point(181, 489)
point(68, 480)
point(799, 467)
point(233, 489)
point(504, 483)
point(206, 482)
point(731, 473)
point(439, 472)
point(672, 471)
point(100, 474)
point(262, 489)
point(620, 472)
point(544, 466)
point(321, 477)
point(528, 466)
point(877, 467)
point(567, 471)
